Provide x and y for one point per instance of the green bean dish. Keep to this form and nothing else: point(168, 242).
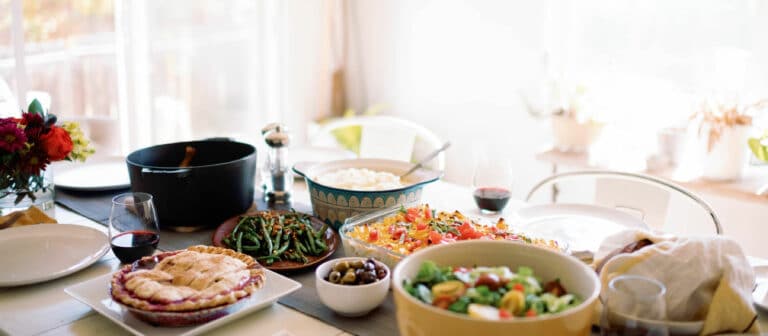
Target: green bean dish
point(275, 236)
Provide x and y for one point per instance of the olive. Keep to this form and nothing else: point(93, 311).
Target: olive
point(334, 277)
point(356, 264)
point(359, 272)
point(349, 277)
point(341, 266)
point(370, 265)
point(381, 273)
point(368, 277)
point(491, 280)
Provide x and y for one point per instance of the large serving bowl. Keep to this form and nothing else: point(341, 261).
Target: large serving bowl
point(417, 318)
point(334, 205)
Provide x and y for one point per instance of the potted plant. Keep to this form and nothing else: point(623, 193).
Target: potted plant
point(723, 130)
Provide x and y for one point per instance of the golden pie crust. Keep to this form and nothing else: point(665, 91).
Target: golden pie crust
point(197, 278)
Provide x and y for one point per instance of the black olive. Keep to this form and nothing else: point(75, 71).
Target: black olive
point(369, 265)
point(368, 277)
point(381, 273)
point(359, 272)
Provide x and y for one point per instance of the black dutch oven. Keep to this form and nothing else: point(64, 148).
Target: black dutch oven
point(216, 185)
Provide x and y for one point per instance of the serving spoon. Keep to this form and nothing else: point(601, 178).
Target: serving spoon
point(427, 158)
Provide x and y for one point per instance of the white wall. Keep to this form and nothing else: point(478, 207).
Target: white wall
point(456, 68)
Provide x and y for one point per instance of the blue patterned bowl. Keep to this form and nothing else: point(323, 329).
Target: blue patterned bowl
point(334, 205)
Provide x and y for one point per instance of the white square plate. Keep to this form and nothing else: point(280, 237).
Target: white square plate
point(95, 293)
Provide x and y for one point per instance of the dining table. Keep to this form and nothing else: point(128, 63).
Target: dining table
point(45, 309)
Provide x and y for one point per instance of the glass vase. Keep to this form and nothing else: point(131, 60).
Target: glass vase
point(19, 199)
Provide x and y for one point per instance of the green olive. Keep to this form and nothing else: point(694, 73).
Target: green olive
point(349, 277)
point(341, 266)
point(356, 264)
point(334, 277)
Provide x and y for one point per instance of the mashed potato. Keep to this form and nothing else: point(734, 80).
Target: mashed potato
point(360, 179)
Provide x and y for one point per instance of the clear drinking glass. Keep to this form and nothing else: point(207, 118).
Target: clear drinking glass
point(133, 227)
point(634, 305)
point(492, 179)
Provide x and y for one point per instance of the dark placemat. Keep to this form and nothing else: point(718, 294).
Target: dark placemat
point(95, 205)
point(381, 321)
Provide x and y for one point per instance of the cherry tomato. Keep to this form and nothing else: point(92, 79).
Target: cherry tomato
point(435, 237)
point(421, 226)
point(531, 313)
point(491, 280)
point(391, 229)
point(443, 301)
point(427, 212)
point(518, 287)
point(398, 232)
point(503, 313)
point(411, 214)
point(373, 235)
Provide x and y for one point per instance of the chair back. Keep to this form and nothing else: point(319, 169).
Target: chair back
point(382, 137)
point(646, 197)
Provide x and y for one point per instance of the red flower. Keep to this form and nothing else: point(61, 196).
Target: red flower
point(12, 138)
point(34, 125)
point(33, 161)
point(56, 143)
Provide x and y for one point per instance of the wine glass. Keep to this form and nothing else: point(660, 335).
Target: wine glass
point(634, 305)
point(492, 179)
point(133, 228)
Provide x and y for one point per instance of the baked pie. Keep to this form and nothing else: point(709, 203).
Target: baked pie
point(198, 278)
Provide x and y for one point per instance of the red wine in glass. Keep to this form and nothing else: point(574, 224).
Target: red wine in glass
point(132, 245)
point(492, 199)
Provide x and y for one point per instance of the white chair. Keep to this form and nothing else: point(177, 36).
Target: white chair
point(646, 197)
point(384, 137)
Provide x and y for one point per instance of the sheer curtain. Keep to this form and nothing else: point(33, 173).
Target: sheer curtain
point(140, 72)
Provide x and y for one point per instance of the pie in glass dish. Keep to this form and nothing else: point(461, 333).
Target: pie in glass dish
point(187, 287)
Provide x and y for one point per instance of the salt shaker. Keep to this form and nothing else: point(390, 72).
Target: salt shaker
point(279, 179)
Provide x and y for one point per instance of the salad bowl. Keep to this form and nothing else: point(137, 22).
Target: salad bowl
point(415, 317)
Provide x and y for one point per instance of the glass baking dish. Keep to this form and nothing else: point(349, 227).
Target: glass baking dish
point(357, 247)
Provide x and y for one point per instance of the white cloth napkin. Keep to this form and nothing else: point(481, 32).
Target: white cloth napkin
point(707, 278)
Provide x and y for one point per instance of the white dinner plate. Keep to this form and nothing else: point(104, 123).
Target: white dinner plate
point(95, 293)
point(42, 252)
point(98, 174)
point(582, 226)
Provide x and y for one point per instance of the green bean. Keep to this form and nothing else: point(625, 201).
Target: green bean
point(240, 242)
point(266, 236)
point(312, 245)
point(320, 233)
point(282, 249)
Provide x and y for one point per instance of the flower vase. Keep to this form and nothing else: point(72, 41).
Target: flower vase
point(728, 156)
point(42, 195)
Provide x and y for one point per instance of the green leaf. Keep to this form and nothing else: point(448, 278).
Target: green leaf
point(428, 272)
point(36, 108)
point(760, 151)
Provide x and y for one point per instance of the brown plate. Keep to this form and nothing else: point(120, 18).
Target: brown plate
point(331, 239)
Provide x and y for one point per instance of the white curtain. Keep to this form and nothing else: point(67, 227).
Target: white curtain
point(145, 72)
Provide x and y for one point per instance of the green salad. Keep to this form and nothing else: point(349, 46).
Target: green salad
point(491, 293)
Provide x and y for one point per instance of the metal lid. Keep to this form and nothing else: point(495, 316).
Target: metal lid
point(275, 135)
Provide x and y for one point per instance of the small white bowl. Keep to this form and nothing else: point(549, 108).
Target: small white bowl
point(350, 300)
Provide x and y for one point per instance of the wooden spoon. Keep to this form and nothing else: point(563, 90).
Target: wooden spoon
point(189, 153)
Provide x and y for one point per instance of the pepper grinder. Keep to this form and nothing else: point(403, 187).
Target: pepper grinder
point(279, 180)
